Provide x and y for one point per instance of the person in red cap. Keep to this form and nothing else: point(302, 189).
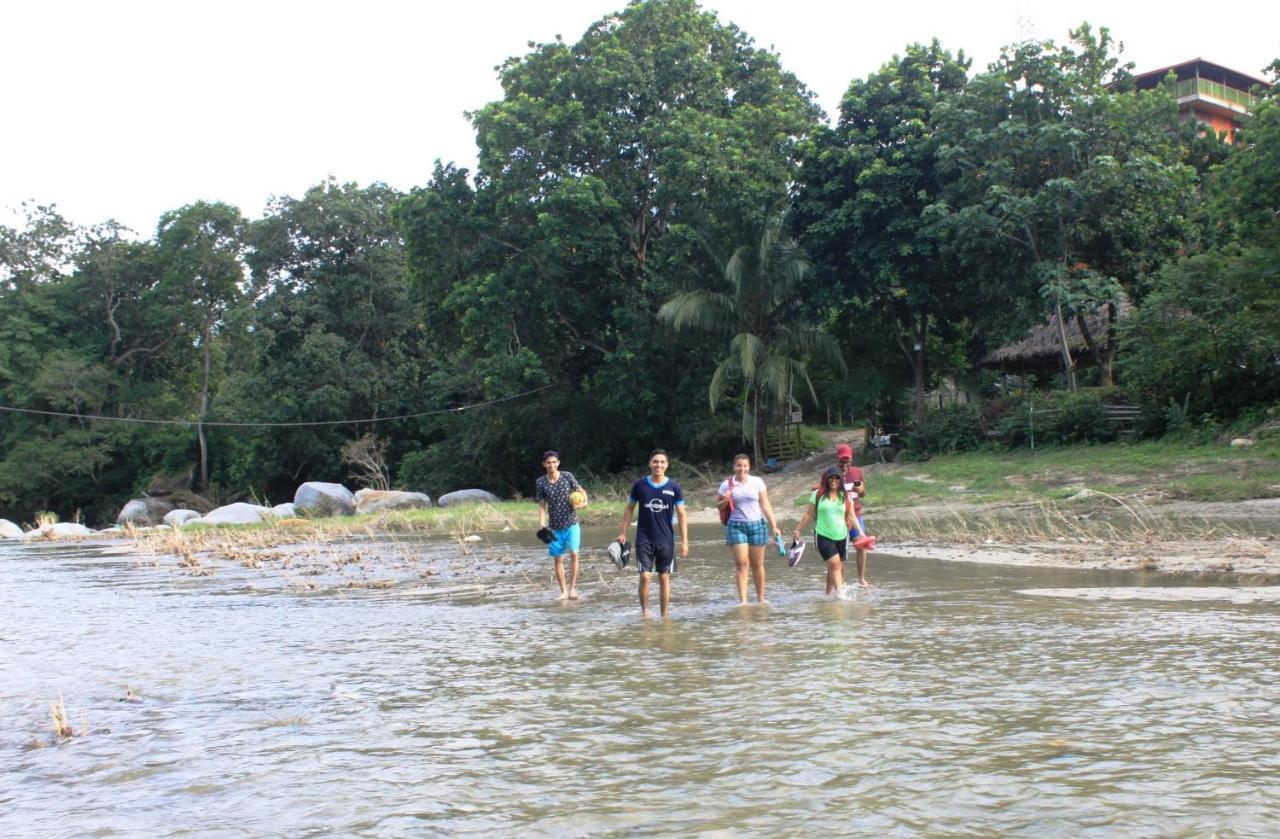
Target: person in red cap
point(856, 486)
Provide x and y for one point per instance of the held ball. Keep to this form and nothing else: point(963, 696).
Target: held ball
point(578, 498)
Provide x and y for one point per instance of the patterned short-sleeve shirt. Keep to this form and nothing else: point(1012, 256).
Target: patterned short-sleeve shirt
point(560, 513)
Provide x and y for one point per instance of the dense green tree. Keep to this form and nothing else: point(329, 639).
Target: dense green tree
point(1052, 152)
point(200, 251)
point(1208, 335)
point(326, 332)
point(550, 266)
point(865, 207)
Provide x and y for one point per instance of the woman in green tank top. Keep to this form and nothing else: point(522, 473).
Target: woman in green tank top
point(832, 513)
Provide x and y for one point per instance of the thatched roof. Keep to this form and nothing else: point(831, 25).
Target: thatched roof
point(1040, 346)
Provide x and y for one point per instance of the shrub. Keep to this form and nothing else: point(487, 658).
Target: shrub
point(954, 428)
point(1056, 418)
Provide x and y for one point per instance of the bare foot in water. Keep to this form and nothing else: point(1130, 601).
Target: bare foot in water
point(573, 594)
point(564, 595)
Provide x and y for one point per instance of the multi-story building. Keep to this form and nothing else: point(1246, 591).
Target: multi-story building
point(1212, 95)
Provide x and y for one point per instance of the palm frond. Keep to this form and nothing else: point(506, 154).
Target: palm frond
point(719, 380)
point(701, 309)
point(750, 351)
point(738, 269)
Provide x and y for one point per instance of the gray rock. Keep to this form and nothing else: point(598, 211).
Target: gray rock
point(144, 512)
point(61, 530)
point(177, 518)
point(375, 500)
point(239, 513)
point(284, 511)
point(1242, 443)
point(317, 499)
point(9, 530)
point(467, 496)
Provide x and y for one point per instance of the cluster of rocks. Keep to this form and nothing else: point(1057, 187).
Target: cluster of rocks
point(58, 530)
point(314, 499)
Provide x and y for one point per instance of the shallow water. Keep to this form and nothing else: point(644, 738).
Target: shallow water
point(945, 703)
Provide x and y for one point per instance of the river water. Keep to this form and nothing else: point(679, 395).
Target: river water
point(943, 703)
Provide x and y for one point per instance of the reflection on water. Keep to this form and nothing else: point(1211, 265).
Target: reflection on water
point(945, 703)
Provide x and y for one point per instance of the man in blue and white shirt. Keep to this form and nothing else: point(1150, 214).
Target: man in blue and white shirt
point(657, 497)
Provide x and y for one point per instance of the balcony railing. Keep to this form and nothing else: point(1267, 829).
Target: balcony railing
point(1189, 87)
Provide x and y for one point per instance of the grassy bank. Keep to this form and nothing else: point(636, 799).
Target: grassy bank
point(1152, 471)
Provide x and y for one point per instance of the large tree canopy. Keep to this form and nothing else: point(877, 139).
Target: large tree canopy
point(550, 267)
point(865, 208)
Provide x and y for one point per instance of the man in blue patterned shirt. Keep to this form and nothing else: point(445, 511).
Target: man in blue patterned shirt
point(555, 511)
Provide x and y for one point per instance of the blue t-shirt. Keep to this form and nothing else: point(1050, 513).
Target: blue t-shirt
point(655, 505)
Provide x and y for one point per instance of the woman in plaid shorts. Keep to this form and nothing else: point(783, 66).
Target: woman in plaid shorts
point(749, 525)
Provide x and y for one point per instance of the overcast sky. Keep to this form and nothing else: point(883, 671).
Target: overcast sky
point(119, 109)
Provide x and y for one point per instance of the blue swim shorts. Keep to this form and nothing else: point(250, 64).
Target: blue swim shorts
point(565, 540)
point(746, 533)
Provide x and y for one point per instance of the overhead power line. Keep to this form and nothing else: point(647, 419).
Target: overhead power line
point(216, 424)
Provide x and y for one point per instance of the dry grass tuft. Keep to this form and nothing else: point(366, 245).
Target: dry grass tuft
point(62, 728)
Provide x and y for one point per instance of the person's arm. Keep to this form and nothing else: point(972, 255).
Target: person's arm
point(851, 519)
point(542, 514)
point(580, 488)
point(768, 512)
point(684, 530)
point(626, 521)
point(810, 514)
point(723, 495)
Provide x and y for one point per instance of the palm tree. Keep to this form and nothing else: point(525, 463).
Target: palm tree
point(755, 305)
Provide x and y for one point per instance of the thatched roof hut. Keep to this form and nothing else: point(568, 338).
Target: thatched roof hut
point(1039, 351)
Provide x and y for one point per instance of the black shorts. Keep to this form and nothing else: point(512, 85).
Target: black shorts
point(828, 548)
point(651, 557)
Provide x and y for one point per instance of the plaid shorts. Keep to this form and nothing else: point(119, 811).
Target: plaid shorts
point(746, 533)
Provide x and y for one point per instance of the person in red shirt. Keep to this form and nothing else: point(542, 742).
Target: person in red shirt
point(856, 486)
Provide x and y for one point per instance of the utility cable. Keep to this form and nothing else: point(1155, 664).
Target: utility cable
point(216, 424)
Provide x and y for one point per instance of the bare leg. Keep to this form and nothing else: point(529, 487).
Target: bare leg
point(573, 575)
point(835, 575)
point(740, 570)
point(560, 577)
point(757, 572)
point(664, 589)
point(644, 593)
point(861, 558)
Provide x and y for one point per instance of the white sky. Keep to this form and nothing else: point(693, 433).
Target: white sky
point(126, 109)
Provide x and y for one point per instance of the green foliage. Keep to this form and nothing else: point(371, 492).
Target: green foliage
point(755, 306)
point(948, 430)
point(1057, 418)
point(599, 254)
point(865, 206)
point(1078, 177)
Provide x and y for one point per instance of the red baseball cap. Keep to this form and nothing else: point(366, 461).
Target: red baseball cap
point(844, 450)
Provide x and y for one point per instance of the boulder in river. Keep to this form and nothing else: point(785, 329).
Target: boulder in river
point(177, 518)
point(144, 512)
point(467, 496)
point(318, 499)
point(238, 513)
point(376, 500)
point(9, 530)
point(61, 530)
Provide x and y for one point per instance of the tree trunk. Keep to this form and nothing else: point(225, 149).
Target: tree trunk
point(1068, 363)
point(1103, 354)
point(1108, 364)
point(204, 408)
point(757, 442)
point(918, 370)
